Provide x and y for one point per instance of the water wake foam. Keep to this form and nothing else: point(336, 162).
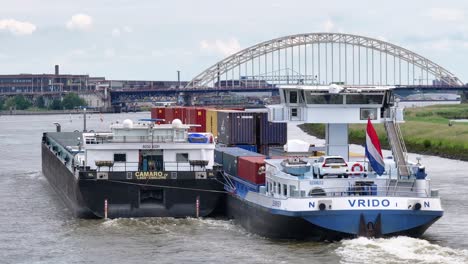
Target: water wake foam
point(398, 250)
point(166, 224)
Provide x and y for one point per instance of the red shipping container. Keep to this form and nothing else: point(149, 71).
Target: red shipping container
point(248, 168)
point(200, 119)
point(189, 117)
point(169, 115)
point(179, 113)
point(158, 112)
point(172, 113)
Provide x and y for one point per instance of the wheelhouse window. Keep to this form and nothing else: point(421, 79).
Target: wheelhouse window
point(368, 113)
point(120, 157)
point(182, 157)
point(323, 98)
point(293, 98)
point(364, 98)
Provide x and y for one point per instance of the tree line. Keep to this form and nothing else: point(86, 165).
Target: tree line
point(19, 102)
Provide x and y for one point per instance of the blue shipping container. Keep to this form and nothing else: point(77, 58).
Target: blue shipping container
point(218, 154)
point(236, 128)
point(270, 133)
point(252, 148)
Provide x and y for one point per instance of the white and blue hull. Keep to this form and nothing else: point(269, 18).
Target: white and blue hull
point(337, 218)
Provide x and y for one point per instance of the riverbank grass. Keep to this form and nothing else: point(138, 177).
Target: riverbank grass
point(427, 130)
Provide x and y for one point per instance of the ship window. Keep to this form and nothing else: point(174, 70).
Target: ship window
point(368, 113)
point(364, 98)
point(120, 157)
point(316, 98)
point(285, 190)
point(294, 112)
point(293, 97)
point(182, 157)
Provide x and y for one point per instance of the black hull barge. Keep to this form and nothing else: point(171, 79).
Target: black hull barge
point(153, 186)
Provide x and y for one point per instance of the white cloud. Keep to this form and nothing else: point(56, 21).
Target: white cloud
point(328, 26)
point(116, 32)
point(446, 14)
point(157, 53)
point(17, 27)
point(110, 53)
point(222, 47)
point(127, 29)
point(80, 22)
point(445, 45)
point(78, 53)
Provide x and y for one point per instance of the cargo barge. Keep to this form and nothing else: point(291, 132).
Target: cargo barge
point(136, 170)
point(331, 197)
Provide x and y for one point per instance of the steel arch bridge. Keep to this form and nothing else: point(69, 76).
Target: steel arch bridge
point(323, 58)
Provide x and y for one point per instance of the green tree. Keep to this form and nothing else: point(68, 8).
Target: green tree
point(19, 102)
point(56, 104)
point(40, 103)
point(2, 103)
point(72, 100)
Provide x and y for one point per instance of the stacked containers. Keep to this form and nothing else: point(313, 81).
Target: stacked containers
point(270, 133)
point(199, 118)
point(178, 113)
point(250, 169)
point(158, 113)
point(235, 127)
point(218, 155)
point(212, 121)
point(230, 158)
point(189, 116)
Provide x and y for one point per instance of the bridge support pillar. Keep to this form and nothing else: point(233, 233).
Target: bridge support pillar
point(336, 136)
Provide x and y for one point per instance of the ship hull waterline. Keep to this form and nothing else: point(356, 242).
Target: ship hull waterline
point(268, 223)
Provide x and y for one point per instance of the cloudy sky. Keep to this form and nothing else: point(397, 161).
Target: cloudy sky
point(152, 39)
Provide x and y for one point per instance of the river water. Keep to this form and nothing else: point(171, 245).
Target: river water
point(35, 226)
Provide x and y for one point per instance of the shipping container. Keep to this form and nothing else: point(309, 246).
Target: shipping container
point(251, 169)
point(179, 113)
point(235, 127)
point(252, 148)
point(270, 133)
point(199, 118)
point(264, 149)
point(158, 113)
point(189, 117)
point(218, 154)
point(230, 156)
point(212, 122)
point(172, 113)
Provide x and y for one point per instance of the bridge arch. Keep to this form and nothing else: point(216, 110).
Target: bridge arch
point(324, 58)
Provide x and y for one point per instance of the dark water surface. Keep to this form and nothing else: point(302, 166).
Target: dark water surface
point(35, 227)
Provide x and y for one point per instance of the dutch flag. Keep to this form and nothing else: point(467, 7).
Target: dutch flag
point(373, 151)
